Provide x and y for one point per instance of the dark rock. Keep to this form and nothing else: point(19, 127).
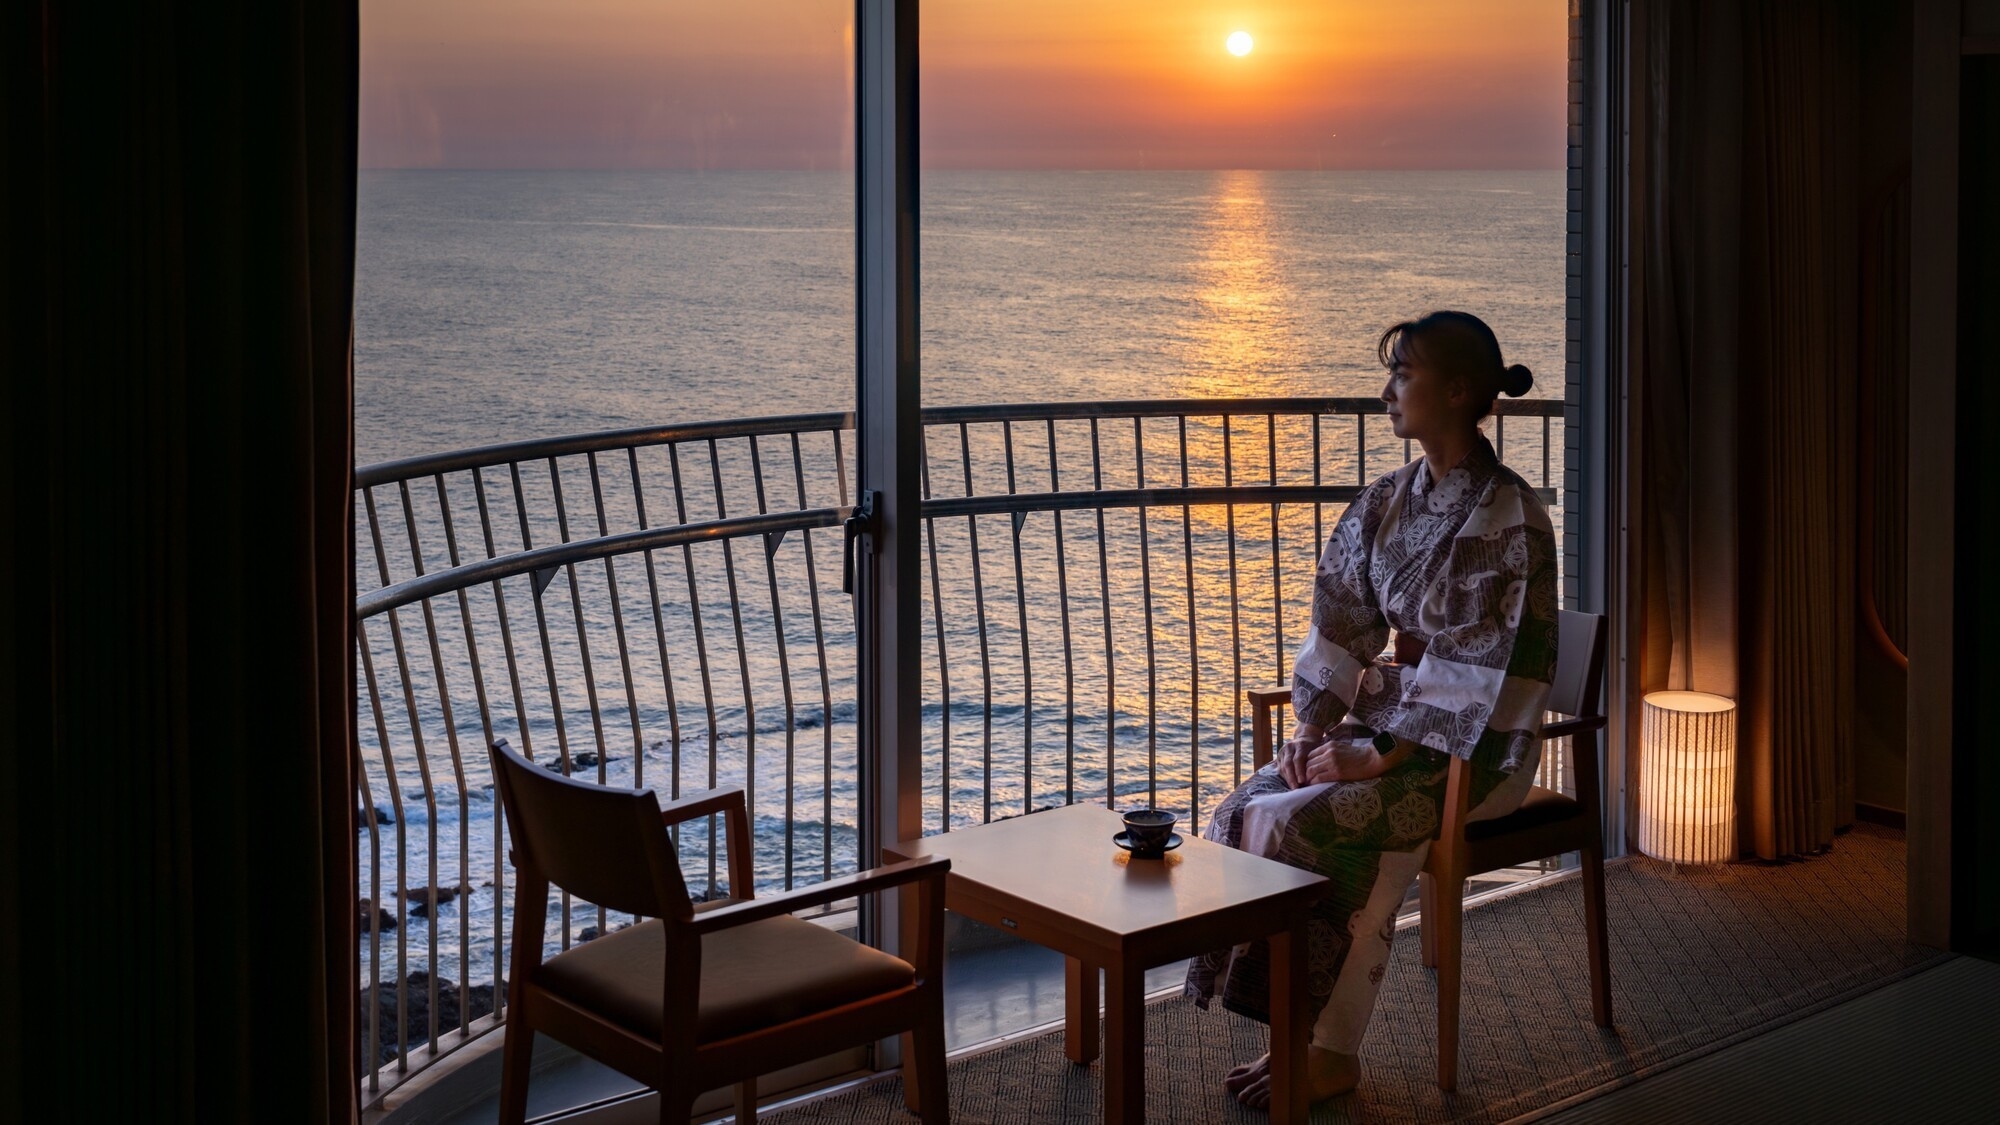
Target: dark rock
point(455, 1005)
point(578, 763)
point(712, 894)
point(420, 900)
point(382, 817)
point(591, 933)
point(370, 917)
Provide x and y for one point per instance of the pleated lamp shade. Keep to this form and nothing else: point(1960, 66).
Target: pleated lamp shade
point(1687, 777)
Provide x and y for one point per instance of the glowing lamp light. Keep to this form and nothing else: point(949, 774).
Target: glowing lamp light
point(1687, 777)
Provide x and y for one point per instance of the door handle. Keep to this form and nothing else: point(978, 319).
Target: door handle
point(860, 521)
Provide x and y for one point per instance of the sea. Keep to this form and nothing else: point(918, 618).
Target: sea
point(496, 306)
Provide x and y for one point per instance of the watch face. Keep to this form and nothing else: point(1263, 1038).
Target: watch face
point(1385, 742)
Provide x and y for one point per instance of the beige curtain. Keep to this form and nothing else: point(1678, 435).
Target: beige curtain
point(1744, 321)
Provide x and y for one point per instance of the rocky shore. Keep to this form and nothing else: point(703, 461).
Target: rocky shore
point(455, 1005)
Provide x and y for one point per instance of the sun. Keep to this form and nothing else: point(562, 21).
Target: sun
point(1239, 43)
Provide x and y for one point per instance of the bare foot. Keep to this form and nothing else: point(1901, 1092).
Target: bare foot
point(1243, 1075)
point(1328, 1075)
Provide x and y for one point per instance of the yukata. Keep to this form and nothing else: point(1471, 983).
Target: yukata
point(1466, 565)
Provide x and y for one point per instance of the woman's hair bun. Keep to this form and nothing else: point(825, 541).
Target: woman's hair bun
point(1517, 380)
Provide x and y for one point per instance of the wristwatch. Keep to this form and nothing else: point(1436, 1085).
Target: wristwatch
point(1384, 743)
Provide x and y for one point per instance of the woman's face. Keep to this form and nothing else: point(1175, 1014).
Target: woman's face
point(1422, 403)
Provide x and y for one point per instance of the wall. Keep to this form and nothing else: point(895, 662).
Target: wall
point(1975, 767)
point(1883, 176)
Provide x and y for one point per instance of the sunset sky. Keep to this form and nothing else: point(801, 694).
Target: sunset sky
point(1019, 84)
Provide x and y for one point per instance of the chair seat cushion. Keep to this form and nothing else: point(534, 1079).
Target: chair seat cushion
point(752, 976)
point(1543, 806)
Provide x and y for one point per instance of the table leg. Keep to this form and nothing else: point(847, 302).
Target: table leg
point(1289, 1031)
point(1125, 1045)
point(1080, 1000)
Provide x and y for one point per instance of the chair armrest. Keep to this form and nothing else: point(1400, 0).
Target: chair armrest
point(1269, 696)
point(707, 803)
point(1263, 732)
point(847, 886)
point(1584, 757)
point(1572, 726)
point(736, 819)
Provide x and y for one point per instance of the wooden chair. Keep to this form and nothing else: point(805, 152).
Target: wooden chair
point(697, 999)
point(1547, 824)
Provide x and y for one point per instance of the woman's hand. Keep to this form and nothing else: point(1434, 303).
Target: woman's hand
point(1291, 757)
point(1344, 760)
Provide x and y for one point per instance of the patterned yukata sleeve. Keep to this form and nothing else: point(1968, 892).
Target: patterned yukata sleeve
point(1490, 670)
point(1348, 628)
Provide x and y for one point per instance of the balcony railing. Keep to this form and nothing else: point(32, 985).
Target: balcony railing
point(662, 607)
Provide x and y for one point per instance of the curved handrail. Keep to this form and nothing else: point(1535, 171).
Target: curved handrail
point(408, 468)
point(989, 504)
point(637, 437)
point(1197, 407)
point(1195, 497)
point(583, 550)
point(451, 579)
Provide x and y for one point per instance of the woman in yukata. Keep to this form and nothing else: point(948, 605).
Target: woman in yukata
point(1454, 555)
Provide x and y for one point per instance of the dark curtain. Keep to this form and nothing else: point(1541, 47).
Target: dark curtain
point(178, 801)
point(1745, 321)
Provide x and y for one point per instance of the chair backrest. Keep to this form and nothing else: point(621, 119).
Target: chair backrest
point(604, 845)
point(1579, 679)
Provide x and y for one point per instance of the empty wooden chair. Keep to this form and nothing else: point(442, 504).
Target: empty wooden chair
point(693, 1000)
point(1547, 824)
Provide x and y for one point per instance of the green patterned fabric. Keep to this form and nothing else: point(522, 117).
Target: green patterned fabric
point(1464, 566)
point(1340, 833)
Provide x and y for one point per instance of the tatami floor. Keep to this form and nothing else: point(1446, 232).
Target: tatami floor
point(1922, 1049)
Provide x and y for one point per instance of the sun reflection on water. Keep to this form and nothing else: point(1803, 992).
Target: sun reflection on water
point(1240, 332)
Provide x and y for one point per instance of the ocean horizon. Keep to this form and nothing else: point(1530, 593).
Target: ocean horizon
point(499, 305)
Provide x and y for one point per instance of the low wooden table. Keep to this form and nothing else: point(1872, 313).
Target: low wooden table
point(1056, 879)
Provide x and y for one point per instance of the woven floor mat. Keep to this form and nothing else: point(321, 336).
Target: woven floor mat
point(1700, 958)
